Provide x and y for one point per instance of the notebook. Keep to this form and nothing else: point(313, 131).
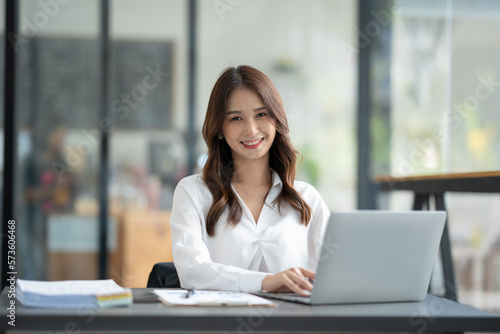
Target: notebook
point(374, 256)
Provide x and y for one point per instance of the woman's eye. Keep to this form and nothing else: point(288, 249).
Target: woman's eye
point(236, 118)
point(262, 114)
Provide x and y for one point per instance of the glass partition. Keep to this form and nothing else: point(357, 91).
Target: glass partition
point(57, 110)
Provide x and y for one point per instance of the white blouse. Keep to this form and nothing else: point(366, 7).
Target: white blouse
point(239, 258)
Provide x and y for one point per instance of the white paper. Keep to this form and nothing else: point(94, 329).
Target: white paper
point(211, 298)
point(56, 288)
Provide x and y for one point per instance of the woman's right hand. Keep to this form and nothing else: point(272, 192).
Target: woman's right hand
point(292, 280)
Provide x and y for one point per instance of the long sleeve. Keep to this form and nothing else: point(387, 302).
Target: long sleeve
point(316, 231)
point(192, 258)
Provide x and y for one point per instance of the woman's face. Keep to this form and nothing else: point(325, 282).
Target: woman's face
point(248, 129)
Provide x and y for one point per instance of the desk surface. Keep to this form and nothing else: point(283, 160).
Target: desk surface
point(484, 182)
point(384, 178)
point(434, 314)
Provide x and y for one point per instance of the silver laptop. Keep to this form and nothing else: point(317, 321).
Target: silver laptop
point(375, 256)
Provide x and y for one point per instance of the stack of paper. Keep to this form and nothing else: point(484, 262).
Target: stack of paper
point(72, 294)
point(211, 298)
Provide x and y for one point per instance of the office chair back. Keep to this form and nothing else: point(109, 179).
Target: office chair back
point(164, 275)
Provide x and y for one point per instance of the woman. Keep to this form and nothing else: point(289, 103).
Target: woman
point(245, 224)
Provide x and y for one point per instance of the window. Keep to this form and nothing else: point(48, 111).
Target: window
point(444, 119)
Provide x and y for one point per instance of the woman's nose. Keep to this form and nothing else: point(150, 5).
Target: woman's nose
point(251, 128)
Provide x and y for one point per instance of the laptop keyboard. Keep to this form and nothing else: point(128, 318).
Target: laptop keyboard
point(290, 297)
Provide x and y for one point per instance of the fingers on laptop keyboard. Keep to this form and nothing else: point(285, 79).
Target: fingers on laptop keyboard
point(310, 275)
point(291, 283)
point(297, 282)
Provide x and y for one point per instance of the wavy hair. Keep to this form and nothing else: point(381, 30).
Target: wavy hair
point(219, 167)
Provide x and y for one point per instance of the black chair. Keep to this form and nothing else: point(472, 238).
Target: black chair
point(164, 275)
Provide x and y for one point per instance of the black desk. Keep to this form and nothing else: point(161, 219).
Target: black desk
point(427, 186)
point(434, 314)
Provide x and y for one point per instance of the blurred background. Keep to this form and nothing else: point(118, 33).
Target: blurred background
point(110, 100)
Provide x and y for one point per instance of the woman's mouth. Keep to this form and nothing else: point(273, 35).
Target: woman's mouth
point(252, 143)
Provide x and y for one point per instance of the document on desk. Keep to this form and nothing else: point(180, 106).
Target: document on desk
point(211, 298)
point(72, 294)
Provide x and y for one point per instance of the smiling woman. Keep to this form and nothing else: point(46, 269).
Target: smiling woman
point(247, 198)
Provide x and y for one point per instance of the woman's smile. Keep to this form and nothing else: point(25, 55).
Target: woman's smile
point(253, 144)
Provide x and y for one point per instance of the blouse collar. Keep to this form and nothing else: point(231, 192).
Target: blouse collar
point(276, 178)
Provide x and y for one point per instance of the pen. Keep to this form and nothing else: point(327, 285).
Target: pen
point(189, 293)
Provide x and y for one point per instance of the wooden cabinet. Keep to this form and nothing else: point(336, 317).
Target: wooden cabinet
point(139, 238)
point(143, 240)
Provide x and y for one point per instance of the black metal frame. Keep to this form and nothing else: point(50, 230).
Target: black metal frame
point(421, 201)
point(10, 126)
point(192, 69)
point(373, 100)
point(365, 195)
point(104, 152)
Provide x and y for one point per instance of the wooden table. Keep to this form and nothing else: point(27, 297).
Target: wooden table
point(426, 187)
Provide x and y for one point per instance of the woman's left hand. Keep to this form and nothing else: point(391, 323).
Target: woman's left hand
point(295, 279)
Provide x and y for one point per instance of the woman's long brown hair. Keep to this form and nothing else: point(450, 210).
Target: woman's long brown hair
point(219, 167)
